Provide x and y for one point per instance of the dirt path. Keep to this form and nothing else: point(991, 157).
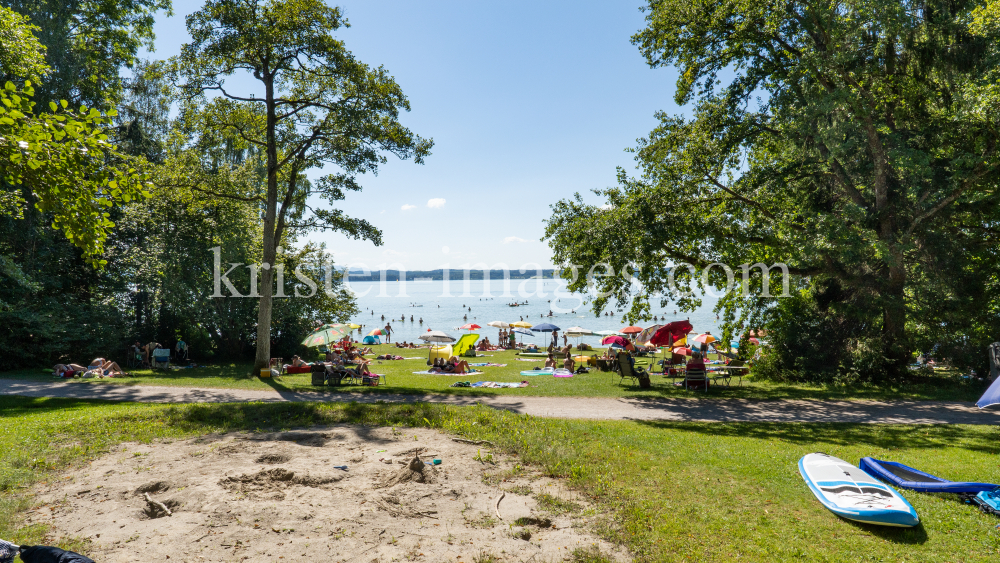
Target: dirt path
point(712, 410)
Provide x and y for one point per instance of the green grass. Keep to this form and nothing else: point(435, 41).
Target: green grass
point(943, 386)
point(669, 491)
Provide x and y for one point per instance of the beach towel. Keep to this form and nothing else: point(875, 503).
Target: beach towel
point(499, 384)
point(546, 371)
point(533, 360)
point(45, 554)
point(7, 552)
point(489, 365)
point(429, 372)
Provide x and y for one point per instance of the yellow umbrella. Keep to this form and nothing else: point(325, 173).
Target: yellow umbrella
point(521, 324)
point(354, 326)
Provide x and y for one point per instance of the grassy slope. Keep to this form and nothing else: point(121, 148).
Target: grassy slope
point(594, 384)
point(673, 491)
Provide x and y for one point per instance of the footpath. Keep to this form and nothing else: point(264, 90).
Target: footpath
point(707, 410)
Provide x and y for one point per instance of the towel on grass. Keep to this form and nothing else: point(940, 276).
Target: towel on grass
point(499, 384)
point(489, 365)
point(429, 372)
point(535, 360)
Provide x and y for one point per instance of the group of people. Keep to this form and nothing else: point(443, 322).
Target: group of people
point(406, 345)
point(567, 357)
point(486, 346)
point(453, 365)
point(98, 367)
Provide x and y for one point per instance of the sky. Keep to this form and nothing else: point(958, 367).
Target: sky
point(527, 103)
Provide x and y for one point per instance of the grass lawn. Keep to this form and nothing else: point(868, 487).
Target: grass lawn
point(669, 491)
point(944, 386)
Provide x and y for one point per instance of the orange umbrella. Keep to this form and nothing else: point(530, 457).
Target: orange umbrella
point(470, 326)
point(632, 330)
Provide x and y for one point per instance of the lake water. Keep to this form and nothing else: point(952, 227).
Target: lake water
point(448, 305)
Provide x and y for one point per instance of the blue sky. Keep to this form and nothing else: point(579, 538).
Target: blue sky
point(527, 103)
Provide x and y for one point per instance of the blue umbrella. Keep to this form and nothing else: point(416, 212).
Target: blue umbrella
point(523, 331)
point(545, 327)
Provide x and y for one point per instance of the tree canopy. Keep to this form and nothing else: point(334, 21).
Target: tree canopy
point(855, 142)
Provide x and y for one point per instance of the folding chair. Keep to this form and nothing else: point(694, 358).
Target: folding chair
point(695, 376)
point(625, 369)
point(160, 358)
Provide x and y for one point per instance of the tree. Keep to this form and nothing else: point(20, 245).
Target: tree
point(854, 141)
point(317, 106)
point(88, 42)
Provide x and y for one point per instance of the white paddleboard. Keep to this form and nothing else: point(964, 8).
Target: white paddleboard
point(851, 493)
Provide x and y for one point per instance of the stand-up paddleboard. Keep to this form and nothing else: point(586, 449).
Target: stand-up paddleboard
point(850, 493)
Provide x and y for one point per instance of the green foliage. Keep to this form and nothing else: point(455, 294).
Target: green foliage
point(87, 43)
point(61, 160)
point(855, 143)
point(22, 57)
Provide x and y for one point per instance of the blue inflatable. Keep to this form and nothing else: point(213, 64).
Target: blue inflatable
point(370, 340)
point(906, 477)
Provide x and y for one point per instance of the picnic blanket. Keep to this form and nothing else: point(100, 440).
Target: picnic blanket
point(535, 360)
point(489, 365)
point(429, 372)
point(499, 384)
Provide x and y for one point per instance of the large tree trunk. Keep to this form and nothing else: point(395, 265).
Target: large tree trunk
point(895, 342)
point(263, 358)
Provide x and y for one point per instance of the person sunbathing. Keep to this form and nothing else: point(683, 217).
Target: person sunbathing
point(298, 362)
point(67, 370)
point(458, 366)
point(531, 348)
point(106, 367)
point(550, 361)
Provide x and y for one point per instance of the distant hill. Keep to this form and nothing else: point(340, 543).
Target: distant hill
point(453, 274)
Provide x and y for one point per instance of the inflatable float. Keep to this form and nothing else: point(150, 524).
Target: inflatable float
point(906, 477)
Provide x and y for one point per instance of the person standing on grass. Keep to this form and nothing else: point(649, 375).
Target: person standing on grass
point(388, 334)
point(555, 338)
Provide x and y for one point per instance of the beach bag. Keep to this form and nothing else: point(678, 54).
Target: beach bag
point(45, 554)
point(318, 372)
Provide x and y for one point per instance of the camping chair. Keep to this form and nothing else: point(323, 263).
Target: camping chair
point(625, 369)
point(736, 368)
point(133, 358)
point(695, 376)
point(160, 358)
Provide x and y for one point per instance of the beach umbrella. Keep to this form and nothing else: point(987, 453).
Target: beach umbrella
point(437, 337)
point(378, 332)
point(647, 334)
point(498, 324)
point(470, 326)
point(326, 334)
point(354, 326)
point(521, 324)
point(607, 333)
point(613, 340)
point(578, 331)
point(682, 351)
point(520, 330)
point(671, 333)
point(631, 330)
point(545, 327)
point(705, 338)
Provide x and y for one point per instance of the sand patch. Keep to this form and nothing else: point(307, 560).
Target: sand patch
point(281, 496)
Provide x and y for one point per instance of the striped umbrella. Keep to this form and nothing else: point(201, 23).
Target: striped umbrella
point(326, 334)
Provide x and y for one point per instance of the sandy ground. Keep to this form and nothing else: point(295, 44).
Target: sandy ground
point(607, 408)
point(279, 497)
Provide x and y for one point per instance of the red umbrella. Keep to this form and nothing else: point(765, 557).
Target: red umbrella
point(632, 330)
point(755, 341)
point(470, 326)
point(671, 333)
point(611, 340)
point(681, 351)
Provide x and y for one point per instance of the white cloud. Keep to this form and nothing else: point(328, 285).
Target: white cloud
point(407, 207)
point(606, 206)
point(509, 240)
point(435, 202)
